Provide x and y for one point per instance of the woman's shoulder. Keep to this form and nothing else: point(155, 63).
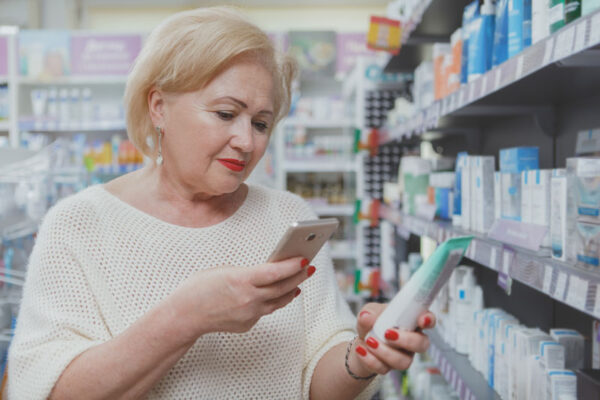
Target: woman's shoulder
point(79, 207)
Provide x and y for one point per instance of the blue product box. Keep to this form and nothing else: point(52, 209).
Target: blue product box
point(518, 159)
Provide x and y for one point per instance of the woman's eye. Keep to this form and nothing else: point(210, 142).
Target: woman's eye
point(261, 126)
point(224, 115)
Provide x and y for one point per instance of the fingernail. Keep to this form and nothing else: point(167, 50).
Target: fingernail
point(297, 292)
point(311, 270)
point(372, 342)
point(361, 350)
point(363, 313)
point(391, 334)
point(427, 321)
point(304, 262)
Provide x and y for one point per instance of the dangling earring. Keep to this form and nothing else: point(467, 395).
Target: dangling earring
point(159, 159)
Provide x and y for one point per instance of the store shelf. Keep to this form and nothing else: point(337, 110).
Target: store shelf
point(317, 123)
point(433, 22)
point(74, 80)
point(31, 125)
point(573, 286)
point(458, 371)
point(530, 83)
point(319, 165)
point(334, 210)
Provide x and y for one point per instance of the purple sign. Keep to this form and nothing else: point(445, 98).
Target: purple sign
point(349, 47)
point(3, 56)
point(529, 236)
point(104, 54)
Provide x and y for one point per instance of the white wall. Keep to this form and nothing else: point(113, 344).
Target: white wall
point(341, 19)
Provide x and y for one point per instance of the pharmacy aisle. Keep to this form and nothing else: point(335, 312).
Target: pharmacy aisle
point(503, 146)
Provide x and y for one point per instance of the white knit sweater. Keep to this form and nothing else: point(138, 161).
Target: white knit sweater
point(99, 264)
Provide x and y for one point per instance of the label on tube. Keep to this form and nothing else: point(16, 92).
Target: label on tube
point(418, 293)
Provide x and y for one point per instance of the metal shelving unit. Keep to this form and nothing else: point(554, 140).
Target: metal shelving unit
point(575, 287)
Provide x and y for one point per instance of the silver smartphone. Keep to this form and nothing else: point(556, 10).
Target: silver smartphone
point(304, 239)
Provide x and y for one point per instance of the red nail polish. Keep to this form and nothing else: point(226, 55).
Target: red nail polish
point(304, 262)
point(391, 335)
point(311, 270)
point(297, 292)
point(427, 321)
point(363, 313)
point(372, 342)
point(361, 350)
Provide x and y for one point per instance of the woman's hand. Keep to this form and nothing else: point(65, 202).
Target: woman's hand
point(233, 299)
point(371, 355)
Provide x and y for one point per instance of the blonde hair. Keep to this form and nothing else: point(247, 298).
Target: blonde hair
point(186, 51)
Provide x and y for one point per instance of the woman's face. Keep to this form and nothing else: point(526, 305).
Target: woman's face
point(214, 137)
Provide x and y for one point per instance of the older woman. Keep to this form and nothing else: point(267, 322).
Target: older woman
point(155, 285)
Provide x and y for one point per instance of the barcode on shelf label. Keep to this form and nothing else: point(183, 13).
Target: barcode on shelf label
point(463, 95)
point(440, 235)
point(564, 43)
point(519, 68)
point(471, 92)
point(594, 31)
point(498, 76)
point(577, 292)
point(561, 285)
point(548, 51)
point(472, 249)
point(454, 378)
point(580, 36)
point(548, 271)
point(493, 257)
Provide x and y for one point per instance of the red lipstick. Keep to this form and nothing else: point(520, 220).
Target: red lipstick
point(233, 164)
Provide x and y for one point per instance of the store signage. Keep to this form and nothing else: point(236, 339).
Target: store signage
point(104, 54)
point(528, 236)
point(3, 56)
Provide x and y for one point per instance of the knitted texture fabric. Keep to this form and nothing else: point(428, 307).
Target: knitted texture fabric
point(99, 264)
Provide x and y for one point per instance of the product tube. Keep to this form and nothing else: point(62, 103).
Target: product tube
point(418, 293)
point(501, 33)
point(481, 41)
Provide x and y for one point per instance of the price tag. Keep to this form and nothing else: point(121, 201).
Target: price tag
point(548, 270)
point(507, 259)
point(471, 92)
point(440, 235)
point(472, 249)
point(564, 43)
point(493, 258)
point(561, 285)
point(597, 301)
point(519, 68)
point(454, 378)
point(548, 51)
point(594, 31)
point(580, 37)
point(577, 292)
point(463, 97)
point(484, 83)
point(498, 76)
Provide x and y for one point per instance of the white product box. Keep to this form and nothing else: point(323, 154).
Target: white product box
point(561, 384)
point(526, 197)
point(558, 215)
point(573, 343)
point(539, 187)
point(482, 193)
point(540, 26)
point(497, 195)
point(511, 196)
point(466, 192)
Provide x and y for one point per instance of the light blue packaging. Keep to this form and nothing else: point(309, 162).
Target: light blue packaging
point(470, 12)
point(519, 26)
point(501, 33)
point(458, 188)
point(518, 159)
point(442, 200)
point(481, 41)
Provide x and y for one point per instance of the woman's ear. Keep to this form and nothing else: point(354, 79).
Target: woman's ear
point(156, 104)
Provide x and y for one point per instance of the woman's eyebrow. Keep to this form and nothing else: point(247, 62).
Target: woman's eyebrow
point(241, 104)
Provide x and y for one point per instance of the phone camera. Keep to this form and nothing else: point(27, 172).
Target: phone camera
point(310, 237)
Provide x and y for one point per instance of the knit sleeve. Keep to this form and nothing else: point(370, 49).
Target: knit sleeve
point(328, 318)
point(59, 317)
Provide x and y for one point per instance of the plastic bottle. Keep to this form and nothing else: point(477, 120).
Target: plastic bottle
point(481, 41)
